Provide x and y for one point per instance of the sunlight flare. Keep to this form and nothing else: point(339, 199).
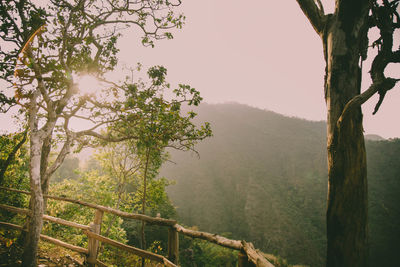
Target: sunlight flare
point(88, 84)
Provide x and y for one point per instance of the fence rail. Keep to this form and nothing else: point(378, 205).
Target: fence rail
point(248, 255)
point(49, 239)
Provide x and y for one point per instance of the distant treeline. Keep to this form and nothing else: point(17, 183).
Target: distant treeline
point(263, 178)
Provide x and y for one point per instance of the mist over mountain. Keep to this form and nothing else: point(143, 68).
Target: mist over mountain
point(373, 137)
point(262, 177)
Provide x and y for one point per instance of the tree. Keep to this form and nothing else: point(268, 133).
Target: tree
point(344, 36)
point(121, 164)
point(46, 48)
point(133, 172)
point(161, 126)
point(92, 187)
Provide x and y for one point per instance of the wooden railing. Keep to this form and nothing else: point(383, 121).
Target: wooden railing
point(248, 255)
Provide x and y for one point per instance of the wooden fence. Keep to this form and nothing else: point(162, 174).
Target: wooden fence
point(248, 255)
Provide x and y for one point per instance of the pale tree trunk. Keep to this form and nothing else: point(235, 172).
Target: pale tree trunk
point(39, 174)
point(44, 162)
point(35, 221)
point(144, 202)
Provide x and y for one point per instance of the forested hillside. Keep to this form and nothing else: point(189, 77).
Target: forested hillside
point(263, 178)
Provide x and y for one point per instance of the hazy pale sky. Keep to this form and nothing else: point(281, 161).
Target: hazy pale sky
point(261, 53)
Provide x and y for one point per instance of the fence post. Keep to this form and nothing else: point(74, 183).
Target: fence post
point(93, 244)
point(243, 260)
point(173, 245)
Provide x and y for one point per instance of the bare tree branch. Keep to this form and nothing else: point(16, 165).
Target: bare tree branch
point(315, 14)
point(320, 6)
point(383, 18)
point(41, 85)
point(360, 99)
point(108, 137)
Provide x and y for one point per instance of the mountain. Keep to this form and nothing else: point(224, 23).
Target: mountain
point(373, 137)
point(262, 177)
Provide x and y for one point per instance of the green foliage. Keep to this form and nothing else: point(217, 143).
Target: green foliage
point(384, 198)
point(84, 23)
point(92, 188)
point(208, 255)
point(123, 166)
point(68, 39)
point(10, 251)
point(117, 257)
point(157, 205)
point(13, 156)
point(50, 46)
point(201, 253)
point(156, 197)
point(158, 122)
point(263, 178)
point(16, 175)
point(10, 32)
point(118, 184)
point(80, 37)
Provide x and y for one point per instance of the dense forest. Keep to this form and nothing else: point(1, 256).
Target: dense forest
point(263, 177)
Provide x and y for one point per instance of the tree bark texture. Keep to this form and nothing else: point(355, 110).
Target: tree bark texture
point(347, 185)
point(144, 202)
point(345, 43)
point(35, 223)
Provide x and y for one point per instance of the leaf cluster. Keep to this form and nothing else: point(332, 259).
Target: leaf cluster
point(90, 187)
point(20, 19)
point(158, 120)
point(14, 173)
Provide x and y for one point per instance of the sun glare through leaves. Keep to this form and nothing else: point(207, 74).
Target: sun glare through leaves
point(88, 84)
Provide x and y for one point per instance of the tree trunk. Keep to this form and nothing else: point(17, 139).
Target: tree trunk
point(44, 162)
point(36, 220)
point(347, 186)
point(144, 201)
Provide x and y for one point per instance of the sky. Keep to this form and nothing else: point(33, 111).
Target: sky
point(260, 53)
